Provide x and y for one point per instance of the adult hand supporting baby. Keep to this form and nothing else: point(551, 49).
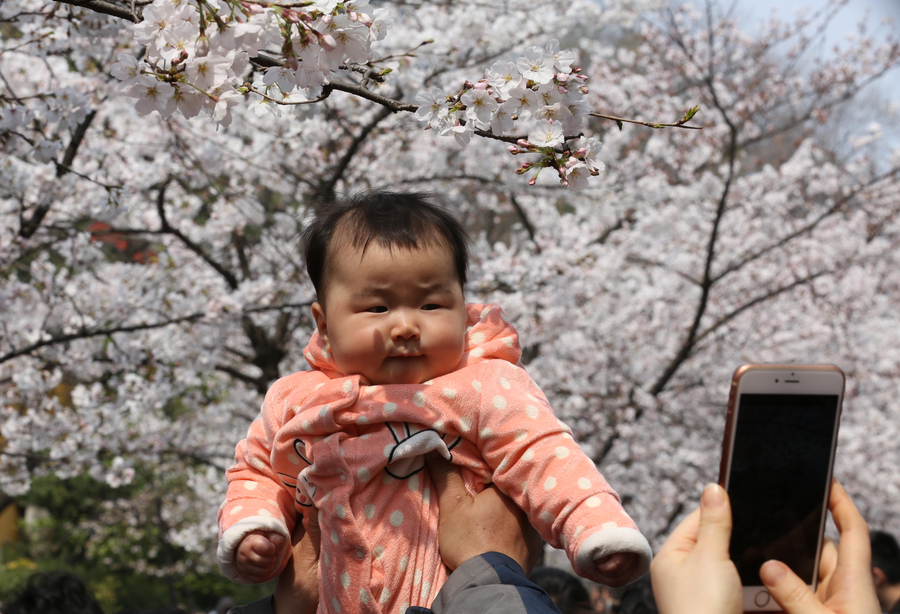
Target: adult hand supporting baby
point(297, 591)
point(487, 522)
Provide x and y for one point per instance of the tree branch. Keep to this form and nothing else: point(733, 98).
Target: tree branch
point(167, 228)
point(30, 226)
point(87, 334)
point(108, 8)
point(326, 188)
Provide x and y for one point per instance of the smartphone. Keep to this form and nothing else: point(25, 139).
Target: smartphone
point(777, 458)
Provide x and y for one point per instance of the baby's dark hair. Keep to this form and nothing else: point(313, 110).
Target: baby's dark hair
point(408, 220)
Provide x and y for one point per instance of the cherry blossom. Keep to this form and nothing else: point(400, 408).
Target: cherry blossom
point(152, 289)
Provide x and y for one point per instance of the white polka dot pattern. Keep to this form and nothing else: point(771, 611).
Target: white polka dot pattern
point(354, 429)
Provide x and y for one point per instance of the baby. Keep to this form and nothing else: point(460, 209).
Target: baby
point(402, 366)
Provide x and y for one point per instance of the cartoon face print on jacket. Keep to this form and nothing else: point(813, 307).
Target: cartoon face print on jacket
point(394, 316)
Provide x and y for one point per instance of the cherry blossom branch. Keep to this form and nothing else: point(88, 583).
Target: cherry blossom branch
point(835, 208)
point(326, 188)
point(529, 227)
point(130, 328)
point(30, 226)
point(169, 229)
point(326, 92)
point(706, 285)
point(108, 8)
point(679, 124)
point(87, 334)
point(761, 299)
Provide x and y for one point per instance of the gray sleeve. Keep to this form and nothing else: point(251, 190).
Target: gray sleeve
point(260, 606)
point(491, 583)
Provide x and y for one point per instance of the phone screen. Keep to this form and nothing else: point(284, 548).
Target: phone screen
point(778, 480)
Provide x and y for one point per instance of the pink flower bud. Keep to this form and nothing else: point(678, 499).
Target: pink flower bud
point(353, 16)
point(254, 9)
point(521, 171)
point(365, 19)
point(581, 151)
point(583, 89)
point(523, 144)
point(201, 48)
point(562, 77)
point(564, 183)
point(513, 150)
point(293, 63)
point(571, 162)
point(326, 19)
point(183, 55)
point(562, 89)
point(576, 69)
point(290, 15)
point(481, 85)
point(533, 180)
point(327, 42)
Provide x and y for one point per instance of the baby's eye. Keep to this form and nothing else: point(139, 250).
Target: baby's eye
point(378, 309)
point(430, 307)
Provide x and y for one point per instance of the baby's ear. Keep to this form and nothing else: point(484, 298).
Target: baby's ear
point(318, 313)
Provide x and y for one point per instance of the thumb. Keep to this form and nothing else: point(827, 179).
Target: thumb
point(788, 590)
point(447, 479)
point(714, 533)
point(313, 531)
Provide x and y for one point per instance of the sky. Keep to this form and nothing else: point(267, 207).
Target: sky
point(880, 104)
point(751, 12)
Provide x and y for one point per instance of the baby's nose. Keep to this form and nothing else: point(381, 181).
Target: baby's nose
point(405, 325)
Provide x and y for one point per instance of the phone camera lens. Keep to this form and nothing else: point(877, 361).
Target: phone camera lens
point(776, 381)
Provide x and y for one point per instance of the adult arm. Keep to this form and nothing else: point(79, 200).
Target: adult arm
point(297, 591)
point(489, 544)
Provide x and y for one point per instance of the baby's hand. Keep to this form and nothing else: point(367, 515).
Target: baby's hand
point(615, 570)
point(258, 556)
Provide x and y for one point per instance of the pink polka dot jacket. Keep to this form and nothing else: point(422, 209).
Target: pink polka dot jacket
point(355, 452)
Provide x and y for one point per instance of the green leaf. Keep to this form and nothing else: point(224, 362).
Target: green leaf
point(620, 125)
point(690, 113)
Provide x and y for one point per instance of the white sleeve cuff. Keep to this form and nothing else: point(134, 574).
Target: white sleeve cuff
point(615, 540)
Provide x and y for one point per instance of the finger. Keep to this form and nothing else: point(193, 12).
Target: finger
point(854, 547)
point(828, 560)
point(788, 590)
point(684, 538)
point(714, 532)
point(262, 546)
point(277, 540)
point(297, 534)
point(313, 530)
point(447, 480)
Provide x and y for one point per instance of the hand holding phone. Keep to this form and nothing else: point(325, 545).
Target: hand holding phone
point(777, 459)
point(693, 573)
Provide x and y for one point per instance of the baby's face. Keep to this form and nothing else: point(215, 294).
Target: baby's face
point(394, 316)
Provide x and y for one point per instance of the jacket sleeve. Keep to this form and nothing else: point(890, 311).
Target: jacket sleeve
point(491, 583)
point(536, 463)
point(257, 499)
